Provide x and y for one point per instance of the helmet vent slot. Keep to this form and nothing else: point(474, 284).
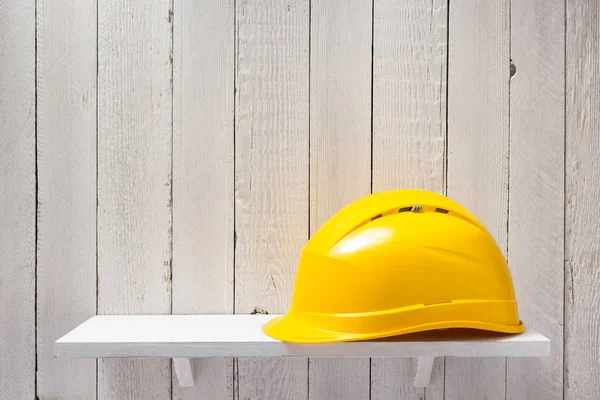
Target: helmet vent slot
point(375, 217)
point(441, 210)
point(411, 208)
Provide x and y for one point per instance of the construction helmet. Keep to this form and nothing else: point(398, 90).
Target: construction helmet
point(398, 262)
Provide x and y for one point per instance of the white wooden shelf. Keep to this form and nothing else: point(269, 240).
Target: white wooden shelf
point(182, 337)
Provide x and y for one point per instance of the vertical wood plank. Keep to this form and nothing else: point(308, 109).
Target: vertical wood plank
point(271, 166)
point(478, 134)
point(409, 95)
point(203, 177)
point(66, 135)
point(536, 214)
point(134, 181)
point(18, 200)
point(340, 149)
point(582, 323)
point(409, 137)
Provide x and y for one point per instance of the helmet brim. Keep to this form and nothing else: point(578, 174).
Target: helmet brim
point(295, 329)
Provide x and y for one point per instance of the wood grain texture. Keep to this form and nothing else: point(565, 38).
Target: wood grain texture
point(340, 148)
point(409, 136)
point(582, 323)
point(270, 378)
point(66, 143)
point(134, 181)
point(271, 176)
point(536, 214)
point(18, 200)
point(335, 378)
point(203, 177)
point(478, 142)
point(409, 95)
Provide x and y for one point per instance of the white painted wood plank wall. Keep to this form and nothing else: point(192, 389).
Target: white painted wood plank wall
point(134, 181)
point(18, 200)
point(582, 233)
point(271, 177)
point(203, 176)
point(66, 215)
point(203, 142)
point(536, 195)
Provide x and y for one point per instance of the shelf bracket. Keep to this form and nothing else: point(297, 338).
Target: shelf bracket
point(424, 370)
point(183, 370)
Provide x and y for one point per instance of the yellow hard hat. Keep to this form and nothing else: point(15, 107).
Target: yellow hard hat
point(398, 262)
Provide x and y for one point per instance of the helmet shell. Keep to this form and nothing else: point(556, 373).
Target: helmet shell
point(398, 262)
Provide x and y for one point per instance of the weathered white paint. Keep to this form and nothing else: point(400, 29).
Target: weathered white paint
point(478, 134)
point(409, 130)
point(340, 148)
point(271, 176)
point(17, 201)
point(66, 143)
point(203, 176)
point(582, 252)
point(134, 181)
point(536, 194)
point(409, 95)
point(242, 336)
